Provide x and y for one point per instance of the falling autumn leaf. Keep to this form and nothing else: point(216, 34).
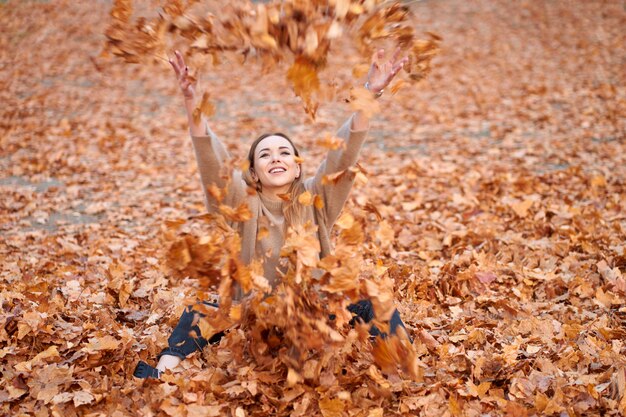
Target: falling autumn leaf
point(306, 198)
point(205, 107)
point(363, 100)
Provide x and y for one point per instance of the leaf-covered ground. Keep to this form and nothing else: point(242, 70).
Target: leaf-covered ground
point(495, 198)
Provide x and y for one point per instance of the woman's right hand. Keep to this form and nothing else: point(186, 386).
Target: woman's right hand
point(185, 81)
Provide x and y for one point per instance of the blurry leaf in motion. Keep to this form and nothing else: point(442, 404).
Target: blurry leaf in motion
point(205, 107)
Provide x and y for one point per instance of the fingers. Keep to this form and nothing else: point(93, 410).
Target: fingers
point(178, 63)
point(382, 72)
point(399, 65)
point(175, 66)
point(396, 54)
point(377, 57)
point(394, 63)
point(380, 55)
point(179, 58)
point(392, 70)
point(175, 62)
point(183, 70)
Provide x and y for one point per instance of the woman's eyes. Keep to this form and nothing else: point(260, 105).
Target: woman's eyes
point(265, 155)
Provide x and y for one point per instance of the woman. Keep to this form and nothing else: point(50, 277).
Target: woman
point(274, 170)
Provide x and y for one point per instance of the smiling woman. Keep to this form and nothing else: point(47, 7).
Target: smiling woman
point(275, 176)
point(274, 164)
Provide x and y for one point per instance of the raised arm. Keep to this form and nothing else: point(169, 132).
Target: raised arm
point(378, 78)
point(334, 177)
point(187, 87)
point(211, 154)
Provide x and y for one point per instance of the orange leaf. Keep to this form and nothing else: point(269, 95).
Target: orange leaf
point(521, 208)
point(306, 198)
point(363, 100)
point(331, 408)
point(205, 107)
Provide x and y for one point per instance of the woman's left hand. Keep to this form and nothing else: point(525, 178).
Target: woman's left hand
point(381, 73)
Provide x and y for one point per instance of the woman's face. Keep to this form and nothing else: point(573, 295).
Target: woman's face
point(275, 165)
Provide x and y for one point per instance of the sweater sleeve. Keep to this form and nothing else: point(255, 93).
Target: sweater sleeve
point(334, 191)
point(213, 161)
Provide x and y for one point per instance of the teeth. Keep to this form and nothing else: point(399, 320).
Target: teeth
point(274, 170)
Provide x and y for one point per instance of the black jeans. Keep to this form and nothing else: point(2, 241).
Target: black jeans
point(182, 344)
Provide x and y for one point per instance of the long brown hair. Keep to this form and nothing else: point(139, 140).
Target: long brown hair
point(292, 209)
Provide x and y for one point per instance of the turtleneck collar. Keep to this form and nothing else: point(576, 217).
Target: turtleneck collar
point(274, 206)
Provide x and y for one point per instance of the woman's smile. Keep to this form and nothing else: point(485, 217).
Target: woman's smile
point(277, 170)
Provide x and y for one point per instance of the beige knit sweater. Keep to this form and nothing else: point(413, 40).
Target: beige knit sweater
point(213, 158)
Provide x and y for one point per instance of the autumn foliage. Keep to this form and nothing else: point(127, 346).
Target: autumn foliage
point(488, 208)
point(301, 32)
